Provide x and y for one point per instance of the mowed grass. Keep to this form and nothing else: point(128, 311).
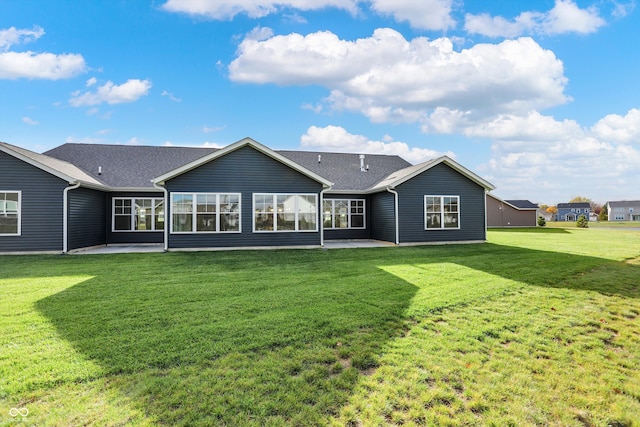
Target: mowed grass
point(536, 327)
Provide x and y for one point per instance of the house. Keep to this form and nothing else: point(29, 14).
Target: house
point(511, 213)
point(625, 210)
point(572, 211)
point(243, 195)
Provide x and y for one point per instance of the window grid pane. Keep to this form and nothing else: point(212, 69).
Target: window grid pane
point(9, 213)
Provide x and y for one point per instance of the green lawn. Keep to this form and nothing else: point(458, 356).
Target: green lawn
point(536, 327)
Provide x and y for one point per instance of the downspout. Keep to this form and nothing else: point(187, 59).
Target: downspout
point(166, 215)
point(321, 219)
point(65, 216)
point(485, 214)
point(397, 220)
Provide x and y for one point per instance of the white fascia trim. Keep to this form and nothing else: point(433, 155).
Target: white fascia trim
point(133, 189)
point(239, 144)
point(430, 164)
point(37, 164)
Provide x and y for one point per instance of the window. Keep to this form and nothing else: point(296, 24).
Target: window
point(138, 214)
point(205, 212)
point(10, 212)
point(343, 213)
point(441, 212)
point(285, 212)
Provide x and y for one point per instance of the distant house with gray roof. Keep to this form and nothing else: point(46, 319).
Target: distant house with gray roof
point(573, 211)
point(623, 210)
point(243, 195)
point(511, 213)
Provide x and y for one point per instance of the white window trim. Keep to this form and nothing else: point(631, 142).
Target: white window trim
point(19, 230)
point(275, 223)
point(194, 213)
point(333, 214)
point(133, 214)
point(442, 212)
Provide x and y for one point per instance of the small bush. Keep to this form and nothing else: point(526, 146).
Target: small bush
point(541, 221)
point(582, 222)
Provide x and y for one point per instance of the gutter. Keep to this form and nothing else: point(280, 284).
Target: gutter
point(65, 216)
point(166, 215)
point(395, 206)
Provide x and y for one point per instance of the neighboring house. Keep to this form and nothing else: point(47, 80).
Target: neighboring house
point(244, 195)
point(572, 211)
point(511, 213)
point(625, 210)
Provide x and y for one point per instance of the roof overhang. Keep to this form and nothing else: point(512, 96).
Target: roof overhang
point(246, 142)
point(493, 196)
point(411, 172)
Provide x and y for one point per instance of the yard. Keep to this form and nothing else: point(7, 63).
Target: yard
point(536, 327)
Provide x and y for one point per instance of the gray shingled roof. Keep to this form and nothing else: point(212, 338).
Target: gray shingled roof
point(343, 169)
point(60, 167)
point(522, 204)
point(573, 205)
point(133, 166)
point(127, 166)
point(624, 203)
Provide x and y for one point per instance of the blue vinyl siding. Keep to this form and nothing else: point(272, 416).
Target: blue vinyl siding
point(131, 237)
point(382, 210)
point(41, 206)
point(245, 171)
point(441, 180)
point(354, 233)
point(86, 218)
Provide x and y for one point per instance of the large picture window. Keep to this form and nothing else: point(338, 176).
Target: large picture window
point(285, 212)
point(10, 213)
point(343, 213)
point(441, 212)
point(205, 212)
point(138, 214)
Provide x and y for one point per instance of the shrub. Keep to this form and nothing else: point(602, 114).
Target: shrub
point(541, 221)
point(582, 222)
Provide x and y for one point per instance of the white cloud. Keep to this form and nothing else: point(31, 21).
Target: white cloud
point(29, 121)
point(130, 91)
point(562, 157)
point(228, 9)
point(388, 78)
point(424, 14)
point(564, 17)
point(92, 81)
point(622, 129)
point(337, 139)
point(210, 129)
point(170, 96)
point(12, 36)
point(32, 65)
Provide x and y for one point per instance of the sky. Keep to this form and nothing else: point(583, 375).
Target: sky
point(539, 97)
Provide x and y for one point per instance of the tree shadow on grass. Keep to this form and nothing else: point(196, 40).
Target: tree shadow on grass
point(233, 339)
point(241, 339)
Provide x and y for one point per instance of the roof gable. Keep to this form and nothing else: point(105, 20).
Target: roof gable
point(404, 175)
point(56, 167)
point(516, 204)
point(246, 142)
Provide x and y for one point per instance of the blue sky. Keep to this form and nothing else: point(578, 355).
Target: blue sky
point(541, 98)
